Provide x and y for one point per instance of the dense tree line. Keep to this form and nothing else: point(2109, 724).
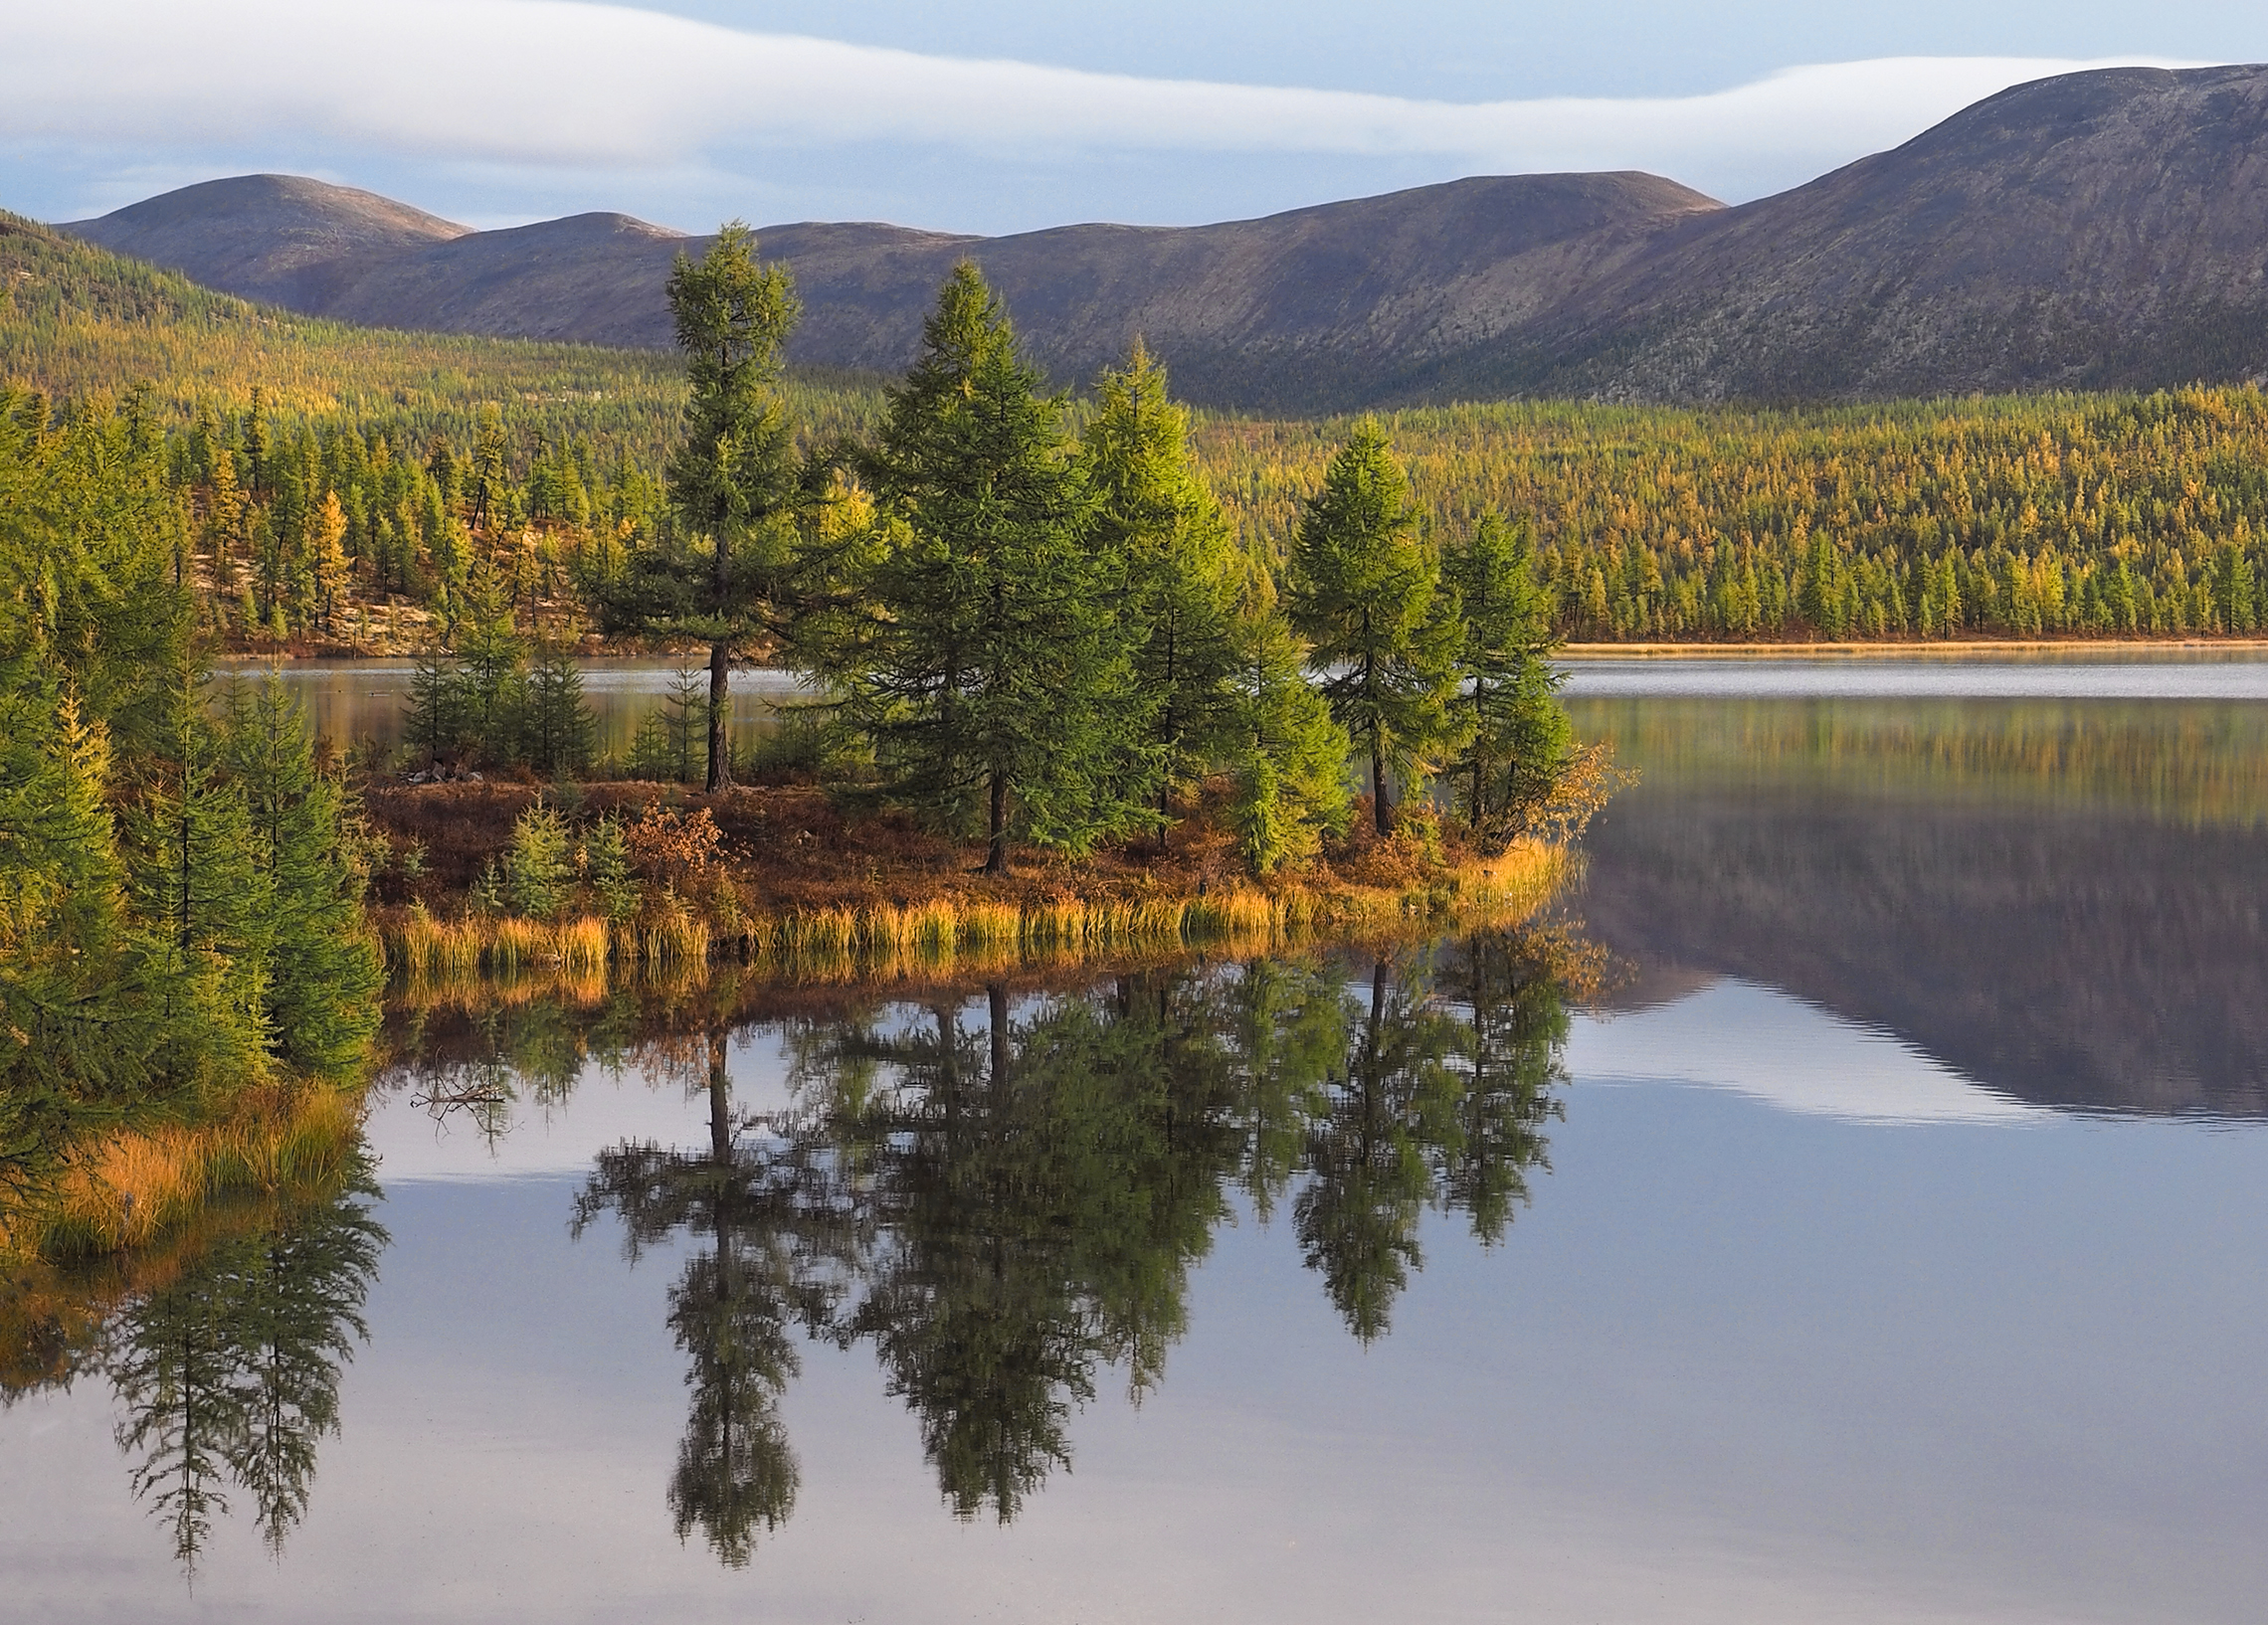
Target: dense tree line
point(2056, 515)
point(2061, 515)
point(180, 901)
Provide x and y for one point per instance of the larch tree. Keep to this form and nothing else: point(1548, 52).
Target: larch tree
point(1159, 526)
point(994, 677)
point(326, 977)
point(1286, 754)
point(1367, 593)
point(1518, 735)
point(735, 482)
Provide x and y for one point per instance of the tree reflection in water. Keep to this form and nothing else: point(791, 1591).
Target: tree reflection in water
point(1004, 1199)
point(228, 1373)
point(767, 1214)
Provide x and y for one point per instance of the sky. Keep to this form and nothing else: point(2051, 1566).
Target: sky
point(1004, 116)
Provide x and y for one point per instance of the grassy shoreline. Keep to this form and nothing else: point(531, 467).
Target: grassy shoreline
point(128, 1189)
point(980, 922)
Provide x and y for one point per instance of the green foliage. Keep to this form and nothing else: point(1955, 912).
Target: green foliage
point(1366, 594)
point(435, 723)
point(178, 911)
point(325, 975)
point(1036, 1180)
point(734, 479)
point(539, 867)
point(555, 726)
point(1160, 525)
point(673, 738)
point(199, 886)
point(85, 1026)
point(1286, 752)
point(994, 676)
point(606, 856)
point(228, 1375)
point(1517, 734)
point(2003, 518)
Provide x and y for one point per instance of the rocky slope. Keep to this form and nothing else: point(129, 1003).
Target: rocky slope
point(2105, 228)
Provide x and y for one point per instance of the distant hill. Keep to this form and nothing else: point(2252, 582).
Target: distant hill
point(2101, 230)
point(2095, 231)
point(1287, 310)
point(274, 238)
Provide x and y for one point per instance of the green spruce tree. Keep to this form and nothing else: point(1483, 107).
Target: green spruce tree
point(1365, 593)
point(1286, 752)
point(322, 992)
point(1517, 733)
point(735, 484)
point(1159, 525)
point(994, 680)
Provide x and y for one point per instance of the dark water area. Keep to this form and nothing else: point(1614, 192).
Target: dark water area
point(1888, 1241)
point(2046, 875)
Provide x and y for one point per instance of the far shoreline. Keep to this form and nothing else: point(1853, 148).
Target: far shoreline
point(1885, 648)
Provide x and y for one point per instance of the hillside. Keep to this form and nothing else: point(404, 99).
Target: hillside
point(273, 238)
point(2095, 231)
point(77, 320)
point(1289, 311)
point(2104, 230)
point(2054, 515)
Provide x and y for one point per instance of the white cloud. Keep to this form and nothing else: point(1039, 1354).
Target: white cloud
point(581, 87)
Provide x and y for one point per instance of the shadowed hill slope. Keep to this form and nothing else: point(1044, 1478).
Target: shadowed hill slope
point(1262, 311)
point(2097, 229)
point(276, 239)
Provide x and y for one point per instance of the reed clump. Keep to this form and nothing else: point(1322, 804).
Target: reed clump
point(127, 1187)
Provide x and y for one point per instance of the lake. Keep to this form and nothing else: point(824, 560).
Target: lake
point(1884, 1237)
point(364, 702)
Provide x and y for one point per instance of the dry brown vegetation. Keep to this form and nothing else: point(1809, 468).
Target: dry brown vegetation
point(782, 872)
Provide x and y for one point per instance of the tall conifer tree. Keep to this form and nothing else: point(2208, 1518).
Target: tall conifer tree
point(734, 480)
point(995, 678)
point(1518, 735)
point(323, 988)
point(1160, 526)
point(1365, 593)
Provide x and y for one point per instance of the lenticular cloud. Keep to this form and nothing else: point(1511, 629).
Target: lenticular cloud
point(590, 87)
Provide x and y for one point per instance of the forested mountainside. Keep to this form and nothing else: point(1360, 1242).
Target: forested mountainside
point(2107, 514)
point(2105, 229)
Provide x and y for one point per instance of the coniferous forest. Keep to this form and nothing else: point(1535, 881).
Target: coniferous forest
point(2098, 515)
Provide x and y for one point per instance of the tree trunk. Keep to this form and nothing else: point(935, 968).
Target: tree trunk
point(995, 859)
point(719, 712)
point(996, 999)
point(720, 1154)
point(1382, 813)
point(721, 1101)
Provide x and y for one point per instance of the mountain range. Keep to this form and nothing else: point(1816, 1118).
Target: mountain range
point(2097, 229)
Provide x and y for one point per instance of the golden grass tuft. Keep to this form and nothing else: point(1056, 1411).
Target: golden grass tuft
point(675, 937)
point(424, 947)
point(127, 1189)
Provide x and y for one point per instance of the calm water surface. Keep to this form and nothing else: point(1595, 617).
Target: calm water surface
point(365, 701)
point(1889, 1241)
